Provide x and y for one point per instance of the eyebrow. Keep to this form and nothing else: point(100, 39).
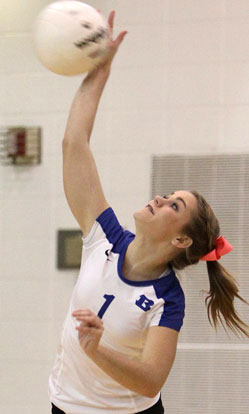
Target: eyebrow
point(180, 198)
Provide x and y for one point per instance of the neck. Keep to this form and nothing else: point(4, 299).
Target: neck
point(145, 261)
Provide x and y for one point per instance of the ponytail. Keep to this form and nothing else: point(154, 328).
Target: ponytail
point(220, 299)
point(203, 228)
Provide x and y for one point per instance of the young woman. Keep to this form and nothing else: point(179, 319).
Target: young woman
point(120, 335)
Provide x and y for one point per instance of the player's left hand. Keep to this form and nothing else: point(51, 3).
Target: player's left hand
point(89, 330)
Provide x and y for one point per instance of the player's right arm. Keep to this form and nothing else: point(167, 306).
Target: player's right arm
point(82, 185)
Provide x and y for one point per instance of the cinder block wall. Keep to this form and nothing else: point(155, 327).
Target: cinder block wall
point(179, 85)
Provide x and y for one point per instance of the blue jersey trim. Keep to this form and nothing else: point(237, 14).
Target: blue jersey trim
point(174, 306)
point(120, 239)
point(150, 282)
point(112, 229)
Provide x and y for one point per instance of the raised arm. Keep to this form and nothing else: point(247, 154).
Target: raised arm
point(80, 176)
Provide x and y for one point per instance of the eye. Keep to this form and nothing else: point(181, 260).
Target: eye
point(165, 196)
point(174, 206)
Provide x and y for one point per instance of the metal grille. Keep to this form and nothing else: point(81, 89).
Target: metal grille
point(210, 374)
point(20, 145)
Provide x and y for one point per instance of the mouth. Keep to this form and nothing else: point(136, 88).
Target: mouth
point(150, 208)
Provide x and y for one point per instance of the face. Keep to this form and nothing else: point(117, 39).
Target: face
point(165, 217)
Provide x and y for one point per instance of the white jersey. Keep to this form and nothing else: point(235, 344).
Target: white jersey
point(128, 309)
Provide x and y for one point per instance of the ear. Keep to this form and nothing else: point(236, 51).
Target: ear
point(182, 242)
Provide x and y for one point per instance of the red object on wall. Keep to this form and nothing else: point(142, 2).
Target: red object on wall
point(21, 143)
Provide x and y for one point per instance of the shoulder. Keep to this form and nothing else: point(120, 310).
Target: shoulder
point(172, 310)
point(169, 288)
point(107, 228)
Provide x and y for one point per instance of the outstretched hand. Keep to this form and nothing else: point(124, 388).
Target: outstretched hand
point(113, 46)
point(89, 330)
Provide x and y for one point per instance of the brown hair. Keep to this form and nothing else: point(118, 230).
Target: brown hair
point(204, 229)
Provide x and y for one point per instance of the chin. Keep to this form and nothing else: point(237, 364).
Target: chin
point(140, 214)
point(136, 214)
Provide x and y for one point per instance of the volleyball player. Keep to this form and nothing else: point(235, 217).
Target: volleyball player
point(119, 338)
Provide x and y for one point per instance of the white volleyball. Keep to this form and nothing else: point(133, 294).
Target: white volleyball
point(70, 37)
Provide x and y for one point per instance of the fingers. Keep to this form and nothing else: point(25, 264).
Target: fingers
point(120, 38)
point(111, 25)
point(88, 318)
point(81, 312)
point(90, 321)
point(111, 20)
point(84, 330)
point(77, 312)
point(90, 330)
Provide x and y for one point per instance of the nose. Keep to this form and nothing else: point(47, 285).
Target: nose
point(159, 201)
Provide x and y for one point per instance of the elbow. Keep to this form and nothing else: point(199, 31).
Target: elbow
point(153, 386)
point(151, 393)
point(67, 143)
point(150, 390)
point(74, 145)
point(75, 140)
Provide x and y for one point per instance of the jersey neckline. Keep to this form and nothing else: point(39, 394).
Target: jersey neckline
point(149, 282)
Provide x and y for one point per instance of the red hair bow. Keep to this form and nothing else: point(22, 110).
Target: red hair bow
point(222, 248)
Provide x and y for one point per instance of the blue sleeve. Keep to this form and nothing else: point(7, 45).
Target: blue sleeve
point(172, 312)
point(114, 232)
